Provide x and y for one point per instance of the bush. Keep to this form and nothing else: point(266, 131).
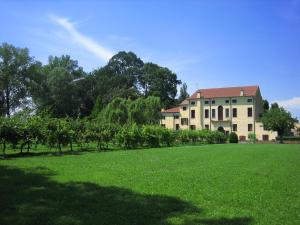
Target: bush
point(252, 137)
point(289, 138)
point(233, 138)
point(151, 135)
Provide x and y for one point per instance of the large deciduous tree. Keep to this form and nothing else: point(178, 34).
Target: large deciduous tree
point(59, 85)
point(160, 82)
point(16, 68)
point(278, 119)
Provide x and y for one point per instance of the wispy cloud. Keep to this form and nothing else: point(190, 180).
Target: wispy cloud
point(82, 40)
point(292, 105)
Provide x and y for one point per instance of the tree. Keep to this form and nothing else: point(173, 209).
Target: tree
point(274, 105)
point(16, 67)
point(266, 105)
point(160, 82)
point(278, 119)
point(183, 94)
point(58, 88)
point(233, 138)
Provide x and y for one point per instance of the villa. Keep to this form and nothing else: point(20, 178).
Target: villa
point(231, 109)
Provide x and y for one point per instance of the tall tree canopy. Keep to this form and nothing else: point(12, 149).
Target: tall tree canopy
point(160, 82)
point(183, 94)
point(57, 90)
point(62, 88)
point(266, 105)
point(126, 76)
point(16, 70)
point(278, 119)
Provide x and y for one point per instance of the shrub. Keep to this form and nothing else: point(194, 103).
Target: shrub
point(151, 135)
point(252, 137)
point(233, 138)
point(183, 136)
point(129, 136)
point(166, 137)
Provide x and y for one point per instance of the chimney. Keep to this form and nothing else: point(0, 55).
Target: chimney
point(198, 94)
point(242, 92)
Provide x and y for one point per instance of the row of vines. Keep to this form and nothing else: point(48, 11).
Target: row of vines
point(26, 133)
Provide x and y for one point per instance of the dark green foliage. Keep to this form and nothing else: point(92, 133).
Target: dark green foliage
point(274, 105)
point(289, 138)
point(266, 105)
point(160, 82)
point(233, 138)
point(183, 94)
point(278, 119)
point(59, 87)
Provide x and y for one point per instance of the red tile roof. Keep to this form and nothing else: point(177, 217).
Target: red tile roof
point(226, 92)
point(184, 102)
point(172, 110)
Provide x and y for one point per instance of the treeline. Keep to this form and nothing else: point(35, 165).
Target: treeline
point(63, 89)
point(26, 132)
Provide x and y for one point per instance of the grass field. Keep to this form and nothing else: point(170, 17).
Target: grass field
point(212, 185)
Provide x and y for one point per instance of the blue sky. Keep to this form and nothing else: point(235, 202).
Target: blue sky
point(207, 43)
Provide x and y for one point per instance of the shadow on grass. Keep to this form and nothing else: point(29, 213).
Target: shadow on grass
point(33, 198)
point(40, 153)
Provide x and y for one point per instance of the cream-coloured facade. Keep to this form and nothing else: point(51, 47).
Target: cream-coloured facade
point(235, 109)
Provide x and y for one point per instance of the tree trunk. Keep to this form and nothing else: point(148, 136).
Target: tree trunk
point(281, 139)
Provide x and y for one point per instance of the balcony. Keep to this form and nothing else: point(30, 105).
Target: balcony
point(223, 120)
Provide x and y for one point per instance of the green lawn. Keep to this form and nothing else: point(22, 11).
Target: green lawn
point(212, 185)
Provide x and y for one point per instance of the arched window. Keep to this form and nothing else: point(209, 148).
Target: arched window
point(220, 112)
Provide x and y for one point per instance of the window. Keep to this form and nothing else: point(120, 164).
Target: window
point(193, 103)
point(163, 125)
point(176, 117)
point(227, 132)
point(206, 126)
point(184, 121)
point(193, 114)
point(177, 126)
point(213, 113)
point(227, 101)
point(234, 101)
point(234, 127)
point(250, 127)
point(234, 112)
point(163, 117)
point(249, 112)
point(206, 102)
point(242, 138)
point(206, 112)
point(220, 113)
point(249, 100)
point(227, 113)
point(183, 108)
point(265, 137)
point(193, 127)
point(213, 102)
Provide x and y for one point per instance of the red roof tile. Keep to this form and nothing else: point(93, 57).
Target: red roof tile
point(172, 110)
point(226, 92)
